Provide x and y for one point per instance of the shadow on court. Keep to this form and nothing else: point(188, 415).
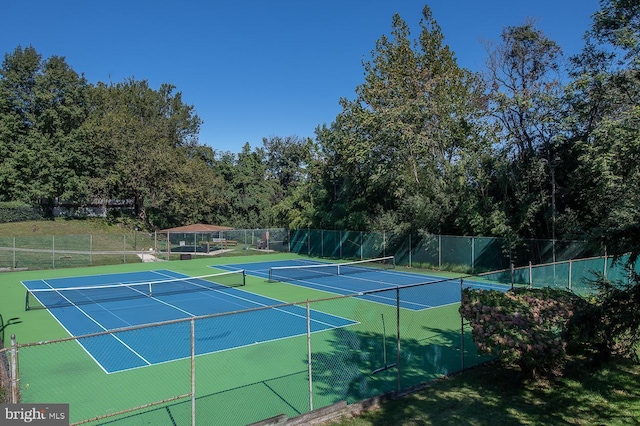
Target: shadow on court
point(356, 365)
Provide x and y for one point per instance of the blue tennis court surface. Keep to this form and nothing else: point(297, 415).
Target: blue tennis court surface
point(80, 315)
point(439, 292)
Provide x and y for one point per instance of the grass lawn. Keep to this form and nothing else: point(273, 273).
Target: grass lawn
point(494, 395)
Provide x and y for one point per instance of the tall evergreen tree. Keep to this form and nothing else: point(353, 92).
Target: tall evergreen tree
point(393, 153)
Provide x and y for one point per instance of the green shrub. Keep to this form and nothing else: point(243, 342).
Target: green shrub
point(522, 327)
point(609, 325)
point(15, 211)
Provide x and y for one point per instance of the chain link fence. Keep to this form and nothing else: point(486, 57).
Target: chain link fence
point(462, 253)
point(573, 275)
point(65, 251)
point(222, 242)
point(387, 347)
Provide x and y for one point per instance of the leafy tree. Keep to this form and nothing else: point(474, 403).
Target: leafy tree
point(137, 134)
point(525, 102)
point(392, 154)
point(251, 193)
point(194, 194)
point(605, 94)
point(617, 23)
point(42, 107)
point(288, 161)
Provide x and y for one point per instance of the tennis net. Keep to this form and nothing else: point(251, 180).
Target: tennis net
point(302, 272)
point(70, 296)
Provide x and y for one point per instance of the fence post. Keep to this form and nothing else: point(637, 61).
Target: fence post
point(53, 252)
point(473, 253)
point(384, 243)
point(461, 329)
point(309, 356)
point(530, 274)
point(193, 372)
point(15, 380)
point(398, 334)
point(512, 275)
point(570, 267)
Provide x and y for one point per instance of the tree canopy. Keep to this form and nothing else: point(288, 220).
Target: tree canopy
point(531, 146)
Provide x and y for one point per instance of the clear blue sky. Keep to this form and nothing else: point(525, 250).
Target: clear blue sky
point(255, 69)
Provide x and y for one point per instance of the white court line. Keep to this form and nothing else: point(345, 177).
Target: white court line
point(256, 303)
point(99, 325)
point(370, 293)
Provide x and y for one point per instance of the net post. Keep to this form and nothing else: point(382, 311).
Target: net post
point(15, 380)
point(244, 277)
point(26, 301)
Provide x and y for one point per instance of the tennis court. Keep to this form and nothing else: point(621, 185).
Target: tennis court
point(98, 303)
point(187, 335)
point(369, 276)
